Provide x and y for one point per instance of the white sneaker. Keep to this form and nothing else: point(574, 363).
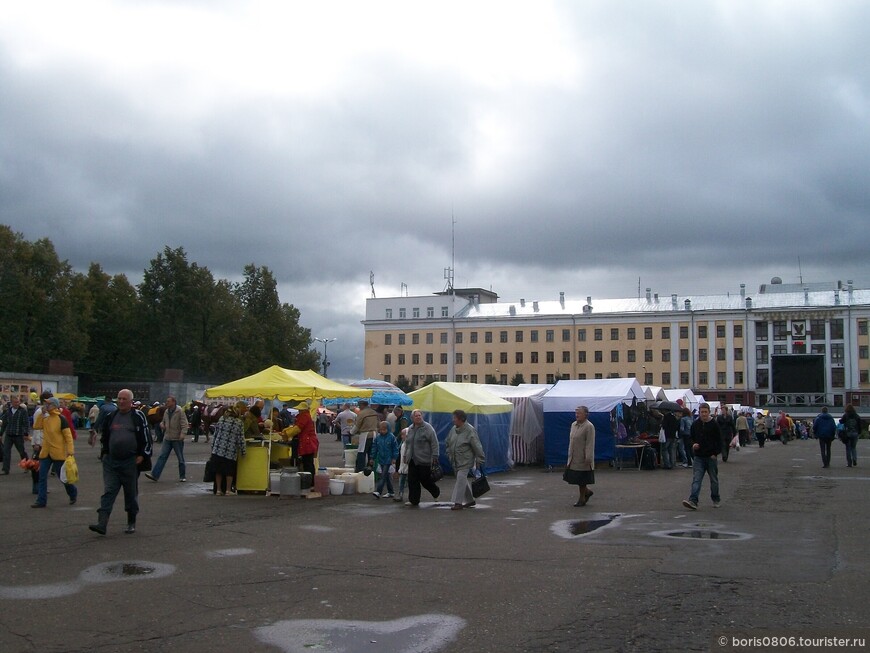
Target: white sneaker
point(376, 495)
point(390, 495)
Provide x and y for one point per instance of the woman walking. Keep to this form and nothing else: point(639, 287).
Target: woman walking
point(852, 427)
point(464, 451)
point(581, 455)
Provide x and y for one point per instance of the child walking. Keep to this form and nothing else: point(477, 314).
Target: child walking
point(385, 451)
point(402, 467)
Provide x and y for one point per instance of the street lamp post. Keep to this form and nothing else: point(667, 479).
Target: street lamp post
point(325, 342)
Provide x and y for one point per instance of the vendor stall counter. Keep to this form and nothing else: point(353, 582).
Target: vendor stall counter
point(252, 474)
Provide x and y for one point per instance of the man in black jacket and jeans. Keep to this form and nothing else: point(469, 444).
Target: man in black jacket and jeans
point(16, 424)
point(706, 446)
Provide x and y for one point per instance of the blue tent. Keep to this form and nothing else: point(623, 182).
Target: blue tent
point(600, 396)
point(487, 413)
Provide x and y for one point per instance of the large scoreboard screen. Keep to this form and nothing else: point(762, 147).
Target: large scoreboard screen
point(797, 373)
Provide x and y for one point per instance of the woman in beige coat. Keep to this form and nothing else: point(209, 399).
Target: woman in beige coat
point(581, 455)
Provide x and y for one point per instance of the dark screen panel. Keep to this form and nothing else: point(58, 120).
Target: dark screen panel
point(797, 373)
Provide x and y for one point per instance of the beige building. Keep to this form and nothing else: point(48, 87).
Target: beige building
point(735, 348)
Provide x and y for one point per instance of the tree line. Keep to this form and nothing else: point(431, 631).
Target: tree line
point(179, 316)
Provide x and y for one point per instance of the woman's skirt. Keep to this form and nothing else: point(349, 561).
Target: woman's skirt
point(223, 466)
point(577, 477)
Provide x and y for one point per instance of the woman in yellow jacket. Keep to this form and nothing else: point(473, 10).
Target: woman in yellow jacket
point(57, 445)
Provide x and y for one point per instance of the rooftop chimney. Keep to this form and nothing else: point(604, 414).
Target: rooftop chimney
point(743, 290)
point(656, 297)
point(648, 291)
point(512, 309)
point(837, 297)
point(674, 300)
point(535, 306)
point(849, 287)
point(589, 299)
point(688, 304)
point(522, 303)
point(562, 299)
point(749, 302)
point(806, 295)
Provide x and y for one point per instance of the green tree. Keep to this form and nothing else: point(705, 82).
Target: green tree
point(517, 379)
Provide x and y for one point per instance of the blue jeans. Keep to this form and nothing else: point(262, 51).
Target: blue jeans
point(384, 479)
point(46, 464)
point(851, 450)
point(169, 446)
point(119, 474)
point(701, 465)
point(669, 451)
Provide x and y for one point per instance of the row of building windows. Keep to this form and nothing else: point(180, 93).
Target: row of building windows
point(550, 356)
point(649, 378)
point(415, 313)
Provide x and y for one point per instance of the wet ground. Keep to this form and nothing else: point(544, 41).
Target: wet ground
point(523, 571)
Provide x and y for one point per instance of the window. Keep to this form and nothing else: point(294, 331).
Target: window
point(837, 329)
point(518, 358)
point(761, 330)
point(487, 336)
point(780, 330)
point(388, 359)
point(389, 313)
point(684, 335)
point(666, 379)
point(566, 335)
point(762, 378)
point(581, 376)
point(549, 335)
point(614, 334)
point(401, 338)
point(666, 355)
point(720, 353)
point(647, 333)
point(720, 330)
point(533, 335)
point(444, 359)
point(614, 356)
point(720, 378)
point(473, 358)
point(430, 359)
point(445, 312)
point(631, 375)
point(838, 377)
point(631, 356)
point(862, 327)
point(761, 354)
point(838, 354)
point(502, 358)
point(702, 379)
point(430, 312)
point(388, 338)
point(444, 338)
point(458, 358)
point(534, 356)
point(631, 333)
point(502, 336)
point(599, 356)
point(518, 336)
point(401, 359)
point(487, 358)
point(684, 379)
point(818, 349)
point(416, 312)
point(647, 356)
point(566, 356)
point(551, 378)
point(430, 338)
point(863, 352)
point(551, 357)
point(648, 378)
point(702, 332)
point(864, 376)
point(533, 378)
point(666, 333)
point(581, 335)
point(738, 378)
point(817, 329)
point(780, 349)
point(473, 337)
point(415, 359)
point(599, 334)
point(458, 337)
point(738, 353)
point(702, 354)
point(684, 355)
point(599, 376)
point(581, 356)
point(799, 348)
point(415, 338)
point(738, 330)
point(402, 313)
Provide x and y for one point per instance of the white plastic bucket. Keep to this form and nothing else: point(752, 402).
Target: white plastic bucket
point(336, 486)
point(350, 457)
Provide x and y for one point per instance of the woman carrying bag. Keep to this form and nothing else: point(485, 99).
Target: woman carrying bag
point(464, 451)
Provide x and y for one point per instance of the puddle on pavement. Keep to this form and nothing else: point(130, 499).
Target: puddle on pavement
point(421, 634)
point(587, 526)
point(574, 528)
point(702, 534)
point(228, 553)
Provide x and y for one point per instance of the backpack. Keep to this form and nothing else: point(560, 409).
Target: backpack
point(648, 458)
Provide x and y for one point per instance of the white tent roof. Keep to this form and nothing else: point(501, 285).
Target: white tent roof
point(522, 390)
point(599, 395)
point(653, 392)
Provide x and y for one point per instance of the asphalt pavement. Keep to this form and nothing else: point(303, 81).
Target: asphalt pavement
point(525, 570)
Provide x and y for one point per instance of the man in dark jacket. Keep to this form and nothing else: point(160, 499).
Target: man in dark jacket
point(825, 429)
point(706, 446)
point(16, 425)
point(125, 445)
point(727, 429)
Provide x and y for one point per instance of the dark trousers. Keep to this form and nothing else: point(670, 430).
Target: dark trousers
point(761, 436)
point(687, 445)
point(8, 442)
point(307, 461)
point(726, 447)
point(825, 447)
point(119, 474)
point(419, 475)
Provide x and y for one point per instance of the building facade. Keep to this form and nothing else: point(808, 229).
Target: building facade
point(788, 346)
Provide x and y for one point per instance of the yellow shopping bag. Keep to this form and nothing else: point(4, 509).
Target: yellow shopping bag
point(72, 470)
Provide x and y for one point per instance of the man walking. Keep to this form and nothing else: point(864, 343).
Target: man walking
point(421, 450)
point(125, 444)
point(365, 426)
point(825, 429)
point(345, 419)
point(706, 446)
point(174, 426)
point(16, 425)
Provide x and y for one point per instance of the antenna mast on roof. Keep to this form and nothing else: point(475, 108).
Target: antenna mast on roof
point(800, 272)
point(372, 282)
point(448, 272)
point(403, 290)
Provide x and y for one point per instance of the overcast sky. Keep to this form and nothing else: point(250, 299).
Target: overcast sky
point(577, 145)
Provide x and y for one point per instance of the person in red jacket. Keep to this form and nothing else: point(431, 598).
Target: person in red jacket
point(308, 442)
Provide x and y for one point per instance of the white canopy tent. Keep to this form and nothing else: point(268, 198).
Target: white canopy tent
point(652, 392)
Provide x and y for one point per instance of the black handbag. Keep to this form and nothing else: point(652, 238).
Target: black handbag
point(435, 472)
point(208, 475)
point(479, 486)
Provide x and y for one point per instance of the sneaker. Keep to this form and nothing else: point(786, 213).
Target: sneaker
point(150, 476)
point(717, 504)
point(691, 505)
point(390, 495)
point(376, 495)
point(182, 480)
point(72, 502)
point(37, 505)
point(398, 498)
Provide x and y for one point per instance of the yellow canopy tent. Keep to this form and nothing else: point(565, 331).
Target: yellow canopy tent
point(282, 384)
